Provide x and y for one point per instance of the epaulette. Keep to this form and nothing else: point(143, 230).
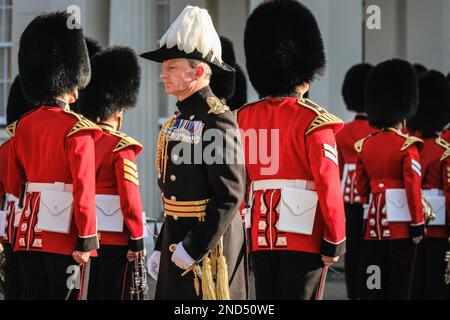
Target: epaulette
point(126, 142)
point(410, 140)
point(216, 106)
point(82, 124)
point(444, 144)
point(323, 117)
point(11, 129)
point(359, 144)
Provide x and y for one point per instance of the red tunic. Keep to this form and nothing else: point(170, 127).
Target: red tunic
point(345, 140)
point(51, 144)
point(307, 151)
point(389, 159)
point(116, 174)
point(10, 205)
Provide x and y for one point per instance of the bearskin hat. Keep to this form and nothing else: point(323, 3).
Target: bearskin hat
point(114, 84)
point(391, 93)
point(240, 91)
point(18, 105)
point(433, 113)
point(420, 69)
point(223, 84)
point(93, 46)
point(353, 87)
point(283, 47)
point(53, 59)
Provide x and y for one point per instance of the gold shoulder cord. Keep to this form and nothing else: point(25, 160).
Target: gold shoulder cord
point(161, 150)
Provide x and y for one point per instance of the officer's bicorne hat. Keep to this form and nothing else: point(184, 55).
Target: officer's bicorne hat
point(191, 36)
point(114, 84)
point(433, 113)
point(18, 105)
point(240, 92)
point(223, 84)
point(53, 59)
point(283, 47)
point(353, 87)
point(391, 93)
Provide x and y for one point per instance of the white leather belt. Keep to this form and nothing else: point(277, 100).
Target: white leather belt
point(282, 183)
point(57, 186)
point(433, 192)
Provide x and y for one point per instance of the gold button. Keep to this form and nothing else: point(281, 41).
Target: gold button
point(381, 185)
point(173, 198)
point(173, 178)
point(159, 175)
point(175, 218)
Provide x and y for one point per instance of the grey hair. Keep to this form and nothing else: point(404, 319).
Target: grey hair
point(194, 63)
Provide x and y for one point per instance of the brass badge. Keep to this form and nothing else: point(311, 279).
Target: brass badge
point(216, 106)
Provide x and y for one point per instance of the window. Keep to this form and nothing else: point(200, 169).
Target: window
point(5, 55)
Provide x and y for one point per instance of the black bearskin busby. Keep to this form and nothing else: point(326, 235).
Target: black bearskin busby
point(114, 84)
point(53, 59)
point(93, 46)
point(433, 113)
point(391, 93)
point(240, 90)
point(18, 105)
point(420, 69)
point(283, 47)
point(223, 84)
point(353, 87)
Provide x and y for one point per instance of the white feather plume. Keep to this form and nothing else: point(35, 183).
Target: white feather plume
point(193, 29)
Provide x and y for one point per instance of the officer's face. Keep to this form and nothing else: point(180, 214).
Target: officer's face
point(178, 76)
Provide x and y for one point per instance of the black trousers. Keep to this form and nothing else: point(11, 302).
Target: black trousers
point(286, 275)
point(389, 263)
point(13, 275)
point(354, 226)
point(429, 270)
point(49, 276)
point(111, 274)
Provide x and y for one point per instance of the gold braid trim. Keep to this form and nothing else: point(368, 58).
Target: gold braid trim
point(161, 149)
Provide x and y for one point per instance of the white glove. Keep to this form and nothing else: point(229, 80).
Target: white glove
point(181, 258)
point(153, 264)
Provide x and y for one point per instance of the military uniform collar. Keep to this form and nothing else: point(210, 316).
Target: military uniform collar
point(360, 117)
point(106, 126)
point(56, 103)
point(195, 99)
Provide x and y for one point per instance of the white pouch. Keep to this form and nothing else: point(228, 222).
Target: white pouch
point(55, 211)
point(437, 201)
point(109, 213)
point(297, 210)
point(2, 223)
point(397, 206)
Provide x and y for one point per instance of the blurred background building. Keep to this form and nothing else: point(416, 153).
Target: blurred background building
point(415, 30)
